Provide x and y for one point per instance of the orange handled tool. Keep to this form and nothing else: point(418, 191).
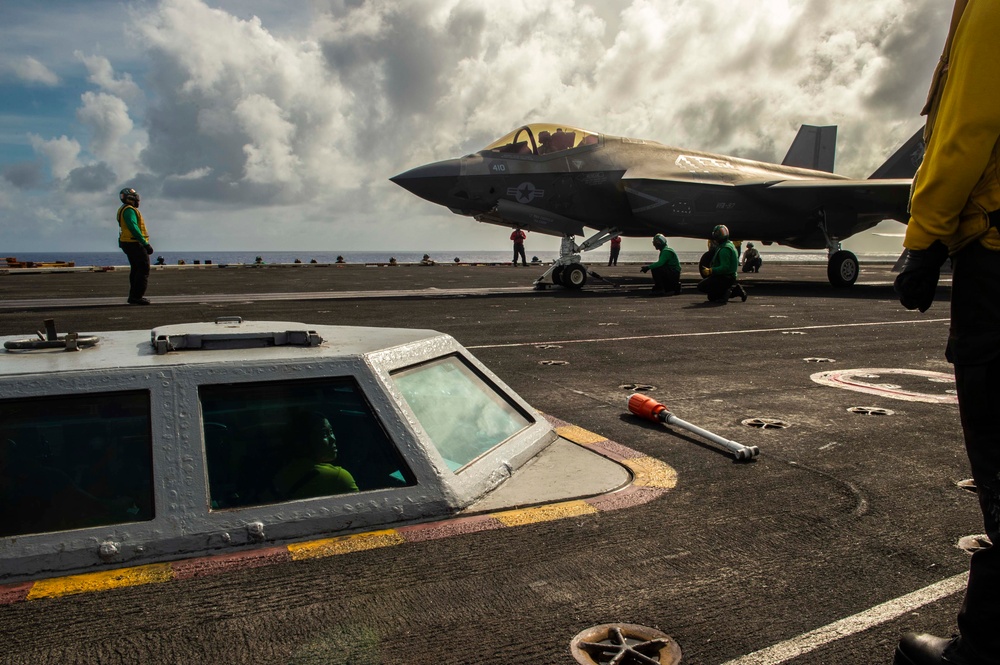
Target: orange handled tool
point(648, 408)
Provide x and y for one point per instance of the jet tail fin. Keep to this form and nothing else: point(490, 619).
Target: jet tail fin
point(904, 162)
point(813, 148)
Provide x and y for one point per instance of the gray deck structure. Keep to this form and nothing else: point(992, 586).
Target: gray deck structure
point(840, 536)
point(172, 364)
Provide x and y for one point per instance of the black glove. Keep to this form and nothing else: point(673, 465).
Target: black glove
point(644, 269)
point(149, 249)
point(918, 280)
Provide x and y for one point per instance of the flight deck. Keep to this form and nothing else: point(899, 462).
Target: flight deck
point(840, 535)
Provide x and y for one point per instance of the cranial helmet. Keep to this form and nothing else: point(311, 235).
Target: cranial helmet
point(720, 233)
point(659, 241)
point(749, 245)
point(129, 195)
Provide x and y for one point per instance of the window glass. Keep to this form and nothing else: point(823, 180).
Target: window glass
point(274, 442)
point(77, 461)
point(462, 414)
point(542, 139)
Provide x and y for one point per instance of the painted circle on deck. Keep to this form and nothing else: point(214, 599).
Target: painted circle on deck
point(910, 385)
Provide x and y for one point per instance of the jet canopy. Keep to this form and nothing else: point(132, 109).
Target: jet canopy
point(542, 139)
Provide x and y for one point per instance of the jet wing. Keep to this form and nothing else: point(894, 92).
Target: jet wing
point(864, 197)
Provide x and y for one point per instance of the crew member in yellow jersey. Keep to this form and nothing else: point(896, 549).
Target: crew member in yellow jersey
point(955, 211)
point(134, 241)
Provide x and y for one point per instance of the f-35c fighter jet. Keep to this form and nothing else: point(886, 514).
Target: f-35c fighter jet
point(558, 180)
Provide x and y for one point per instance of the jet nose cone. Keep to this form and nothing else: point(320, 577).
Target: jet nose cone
point(434, 182)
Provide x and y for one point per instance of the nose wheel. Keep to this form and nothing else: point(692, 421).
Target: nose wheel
point(573, 276)
point(567, 271)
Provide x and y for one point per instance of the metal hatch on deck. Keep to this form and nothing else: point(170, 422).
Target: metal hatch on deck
point(202, 443)
point(232, 332)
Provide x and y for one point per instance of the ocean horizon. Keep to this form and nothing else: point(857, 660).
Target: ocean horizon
point(598, 257)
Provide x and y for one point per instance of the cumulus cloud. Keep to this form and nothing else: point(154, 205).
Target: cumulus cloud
point(102, 74)
point(62, 153)
point(106, 116)
point(442, 78)
point(24, 175)
point(92, 178)
point(269, 152)
point(378, 87)
point(246, 108)
point(229, 113)
point(30, 70)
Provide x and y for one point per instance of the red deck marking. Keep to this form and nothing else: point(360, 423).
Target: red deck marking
point(224, 563)
point(626, 498)
point(450, 527)
point(15, 593)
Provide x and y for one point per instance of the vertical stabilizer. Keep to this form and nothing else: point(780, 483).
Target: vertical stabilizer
point(813, 148)
point(904, 162)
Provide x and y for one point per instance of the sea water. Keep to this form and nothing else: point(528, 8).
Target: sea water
point(596, 258)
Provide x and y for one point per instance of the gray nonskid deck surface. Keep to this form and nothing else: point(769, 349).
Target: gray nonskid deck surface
point(840, 514)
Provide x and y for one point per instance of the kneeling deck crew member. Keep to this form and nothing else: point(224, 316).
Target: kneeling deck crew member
point(666, 270)
point(720, 277)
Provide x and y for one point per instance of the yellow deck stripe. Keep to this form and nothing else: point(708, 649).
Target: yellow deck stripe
point(556, 511)
point(101, 581)
point(579, 435)
point(318, 549)
point(651, 472)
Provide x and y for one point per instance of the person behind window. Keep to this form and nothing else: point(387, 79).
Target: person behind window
point(311, 471)
point(544, 142)
point(562, 140)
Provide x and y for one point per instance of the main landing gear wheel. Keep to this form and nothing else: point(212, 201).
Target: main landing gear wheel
point(573, 276)
point(842, 270)
point(557, 274)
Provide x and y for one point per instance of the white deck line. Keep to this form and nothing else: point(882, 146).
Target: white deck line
point(784, 651)
point(706, 334)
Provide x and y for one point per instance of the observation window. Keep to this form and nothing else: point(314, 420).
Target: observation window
point(283, 441)
point(75, 461)
point(542, 139)
point(463, 415)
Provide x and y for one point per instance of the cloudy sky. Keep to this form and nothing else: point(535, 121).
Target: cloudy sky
point(259, 125)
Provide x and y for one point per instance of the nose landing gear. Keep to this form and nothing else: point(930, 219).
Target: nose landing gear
point(568, 271)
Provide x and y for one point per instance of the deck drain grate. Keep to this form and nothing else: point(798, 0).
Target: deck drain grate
point(871, 411)
point(624, 644)
point(974, 543)
point(546, 347)
point(819, 360)
point(637, 387)
point(549, 363)
point(766, 423)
